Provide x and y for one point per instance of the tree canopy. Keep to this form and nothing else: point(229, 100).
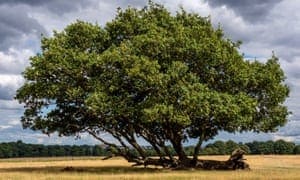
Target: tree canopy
point(153, 76)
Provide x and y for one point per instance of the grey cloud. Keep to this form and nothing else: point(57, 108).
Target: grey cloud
point(291, 66)
point(16, 21)
point(15, 25)
point(297, 75)
point(29, 2)
point(10, 118)
point(253, 11)
point(11, 106)
point(5, 93)
point(292, 128)
point(134, 3)
point(124, 4)
point(287, 38)
point(56, 6)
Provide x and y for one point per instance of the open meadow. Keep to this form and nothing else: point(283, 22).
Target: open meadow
point(262, 167)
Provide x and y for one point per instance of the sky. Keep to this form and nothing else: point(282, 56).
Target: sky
point(262, 26)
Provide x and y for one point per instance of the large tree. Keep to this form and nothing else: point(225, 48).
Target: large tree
point(150, 76)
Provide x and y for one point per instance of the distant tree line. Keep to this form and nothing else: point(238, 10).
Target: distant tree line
point(255, 147)
point(20, 149)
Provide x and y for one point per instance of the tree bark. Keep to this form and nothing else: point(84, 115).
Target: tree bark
point(183, 160)
point(196, 150)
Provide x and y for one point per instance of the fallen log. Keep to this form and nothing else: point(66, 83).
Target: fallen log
point(235, 161)
point(164, 162)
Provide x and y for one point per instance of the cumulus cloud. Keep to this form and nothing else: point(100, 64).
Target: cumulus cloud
point(17, 18)
point(253, 11)
point(285, 138)
point(96, 13)
point(13, 62)
point(13, 26)
point(57, 6)
point(8, 86)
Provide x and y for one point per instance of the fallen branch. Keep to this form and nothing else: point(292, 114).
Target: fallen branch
point(235, 161)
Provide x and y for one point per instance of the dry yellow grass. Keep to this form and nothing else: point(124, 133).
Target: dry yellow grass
point(262, 167)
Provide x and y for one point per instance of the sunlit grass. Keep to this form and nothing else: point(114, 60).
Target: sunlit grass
point(262, 167)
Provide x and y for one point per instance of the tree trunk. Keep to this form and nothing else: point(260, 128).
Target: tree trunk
point(196, 150)
point(183, 160)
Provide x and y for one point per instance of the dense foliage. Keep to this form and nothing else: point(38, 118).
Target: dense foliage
point(153, 76)
point(20, 149)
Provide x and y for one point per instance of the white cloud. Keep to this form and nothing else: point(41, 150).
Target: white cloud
point(40, 141)
point(10, 104)
point(285, 138)
point(8, 86)
point(14, 122)
point(99, 12)
point(4, 127)
point(13, 62)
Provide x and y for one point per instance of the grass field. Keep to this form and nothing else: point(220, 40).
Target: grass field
point(262, 167)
